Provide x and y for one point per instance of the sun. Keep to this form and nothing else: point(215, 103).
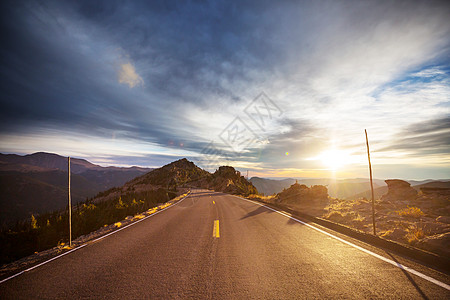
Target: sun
point(334, 159)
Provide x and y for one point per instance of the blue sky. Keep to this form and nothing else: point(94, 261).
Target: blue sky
point(137, 83)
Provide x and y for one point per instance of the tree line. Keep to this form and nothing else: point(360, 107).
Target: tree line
point(48, 230)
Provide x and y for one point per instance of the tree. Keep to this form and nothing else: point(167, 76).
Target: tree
point(34, 222)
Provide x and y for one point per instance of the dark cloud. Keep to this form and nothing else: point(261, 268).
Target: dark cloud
point(182, 51)
point(424, 138)
point(59, 63)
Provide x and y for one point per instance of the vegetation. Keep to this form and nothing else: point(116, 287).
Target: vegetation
point(44, 231)
point(48, 230)
point(411, 211)
point(414, 234)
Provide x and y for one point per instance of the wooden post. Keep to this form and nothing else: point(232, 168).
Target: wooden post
point(70, 212)
point(371, 185)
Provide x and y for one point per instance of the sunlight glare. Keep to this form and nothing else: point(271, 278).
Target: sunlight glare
point(334, 159)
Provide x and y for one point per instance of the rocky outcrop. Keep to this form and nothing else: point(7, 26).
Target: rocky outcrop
point(226, 179)
point(300, 193)
point(399, 190)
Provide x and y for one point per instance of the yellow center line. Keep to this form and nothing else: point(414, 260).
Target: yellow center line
point(216, 229)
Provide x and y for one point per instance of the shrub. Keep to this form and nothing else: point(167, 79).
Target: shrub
point(34, 222)
point(334, 216)
point(411, 211)
point(414, 234)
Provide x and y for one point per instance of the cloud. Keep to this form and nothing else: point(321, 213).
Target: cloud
point(423, 138)
point(127, 75)
point(333, 67)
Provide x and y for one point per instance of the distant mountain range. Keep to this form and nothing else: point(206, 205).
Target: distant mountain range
point(37, 183)
point(378, 192)
point(345, 188)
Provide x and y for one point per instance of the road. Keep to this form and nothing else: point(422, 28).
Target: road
point(217, 246)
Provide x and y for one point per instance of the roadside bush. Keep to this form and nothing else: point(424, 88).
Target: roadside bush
point(411, 211)
point(414, 234)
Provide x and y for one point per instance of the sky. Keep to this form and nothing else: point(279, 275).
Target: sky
point(279, 88)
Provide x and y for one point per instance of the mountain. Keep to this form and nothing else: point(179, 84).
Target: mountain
point(271, 186)
point(380, 191)
point(377, 192)
point(180, 174)
point(433, 184)
point(37, 183)
point(42, 161)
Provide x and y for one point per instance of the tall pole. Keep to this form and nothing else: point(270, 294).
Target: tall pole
point(371, 185)
point(70, 212)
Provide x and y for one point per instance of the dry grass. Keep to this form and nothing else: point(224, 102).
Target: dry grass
point(414, 234)
point(165, 205)
point(138, 217)
point(359, 218)
point(118, 224)
point(268, 199)
point(334, 216)
point(152, 210)
point(411, 211)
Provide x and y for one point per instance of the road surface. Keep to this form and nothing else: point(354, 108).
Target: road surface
point(217, 246)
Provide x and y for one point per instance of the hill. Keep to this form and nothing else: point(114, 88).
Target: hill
point(271, 186)
point(181, 174)
point(433, 184)
point(37, 183)
point(138, 195)
point(380, 191)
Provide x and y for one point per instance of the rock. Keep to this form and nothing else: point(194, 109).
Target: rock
point(399, 190)
point(443, 219)
point(397, 183)
point(439, 243)
point(300, 193)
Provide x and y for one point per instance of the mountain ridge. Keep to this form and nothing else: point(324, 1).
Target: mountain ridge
point(37, 183)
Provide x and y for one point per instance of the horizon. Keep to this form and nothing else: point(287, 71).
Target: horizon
point(280, 89)
point(243, 172)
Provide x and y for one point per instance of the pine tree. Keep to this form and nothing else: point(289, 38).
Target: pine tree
point(34, 222)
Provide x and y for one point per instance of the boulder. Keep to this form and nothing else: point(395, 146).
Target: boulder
point(297, 193)
point(399, 190)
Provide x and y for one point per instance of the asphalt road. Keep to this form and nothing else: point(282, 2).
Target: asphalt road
point(250, 252)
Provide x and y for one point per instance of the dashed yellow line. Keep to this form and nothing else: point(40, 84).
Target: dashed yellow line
point(216, 233)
